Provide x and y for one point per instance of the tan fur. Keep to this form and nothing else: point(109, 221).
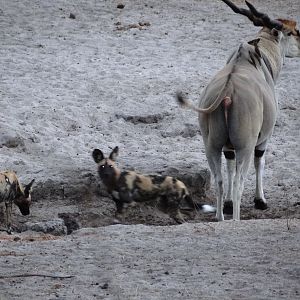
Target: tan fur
point(289, 25)
point(12, 177)
point(130, 179)
point(167, 183)
point(144, 183)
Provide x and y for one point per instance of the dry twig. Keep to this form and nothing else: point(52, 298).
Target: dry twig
point(36, 275)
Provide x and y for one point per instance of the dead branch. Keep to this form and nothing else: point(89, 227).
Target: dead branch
point(36, 275)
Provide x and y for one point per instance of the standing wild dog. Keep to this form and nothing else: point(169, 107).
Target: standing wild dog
point(12, 191)
point(128, 187)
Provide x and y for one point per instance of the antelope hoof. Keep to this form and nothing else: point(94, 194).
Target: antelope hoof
point(9, 230)
point(228, 208)
point(260, 204)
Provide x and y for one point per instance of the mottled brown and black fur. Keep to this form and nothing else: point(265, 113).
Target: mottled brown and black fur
point(129, 187)
point(11, 191)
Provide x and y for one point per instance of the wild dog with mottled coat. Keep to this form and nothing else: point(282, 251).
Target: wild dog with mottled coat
point(128, 187)
point(12, 191)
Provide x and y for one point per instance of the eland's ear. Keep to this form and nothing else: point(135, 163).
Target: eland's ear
point(114, 154)
point(277, 34)
point(97, 155)
point(255, 44)
point(28, 188)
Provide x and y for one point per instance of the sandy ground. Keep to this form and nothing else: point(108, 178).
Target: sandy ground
point(230, 260)
point(100, 80)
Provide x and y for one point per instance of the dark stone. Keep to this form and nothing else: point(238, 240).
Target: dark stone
point(71, 221)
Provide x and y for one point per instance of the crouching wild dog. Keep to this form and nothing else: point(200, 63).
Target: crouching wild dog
point(128, 187)
point(11, 191)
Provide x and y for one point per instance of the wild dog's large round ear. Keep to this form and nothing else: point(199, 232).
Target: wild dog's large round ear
point(28, 188)
point(98, 155)
point(114, 154)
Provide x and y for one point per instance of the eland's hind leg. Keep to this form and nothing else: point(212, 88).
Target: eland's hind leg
point(259, 164)
point(230, 166)
point(214, 158)
point(243, 158)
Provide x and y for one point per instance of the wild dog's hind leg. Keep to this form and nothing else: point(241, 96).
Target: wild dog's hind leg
point(259, 164)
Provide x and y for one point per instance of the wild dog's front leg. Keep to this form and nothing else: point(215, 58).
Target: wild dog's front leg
point(8, 206)
point(120, 210)
point(173, 207)
point(163, 203)
point(121, 198)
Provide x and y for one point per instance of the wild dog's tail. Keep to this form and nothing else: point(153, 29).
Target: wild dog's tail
point(206, 208)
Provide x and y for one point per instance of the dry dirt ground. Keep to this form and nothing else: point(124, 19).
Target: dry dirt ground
point(229, 260)
point(86, 74)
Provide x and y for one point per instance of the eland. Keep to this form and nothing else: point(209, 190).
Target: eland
point(238, 107)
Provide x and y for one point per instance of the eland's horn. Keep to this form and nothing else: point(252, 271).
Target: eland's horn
point(258, 18)
point(265, 19)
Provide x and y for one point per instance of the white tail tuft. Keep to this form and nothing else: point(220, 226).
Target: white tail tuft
point(208, 208)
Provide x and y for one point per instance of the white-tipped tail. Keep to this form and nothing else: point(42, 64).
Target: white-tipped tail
point(206, 208)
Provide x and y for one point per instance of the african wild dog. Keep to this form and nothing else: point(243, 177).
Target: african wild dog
point(128, 187)
point(11, 191)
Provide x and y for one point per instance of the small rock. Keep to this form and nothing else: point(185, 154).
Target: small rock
point(70, 221)
point(104, 286)
point(11, 141)
point(144, 23)
point(120, 5)
point(55, 227)
point(72, 16)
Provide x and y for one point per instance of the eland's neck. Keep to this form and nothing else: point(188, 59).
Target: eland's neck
point(273, 53)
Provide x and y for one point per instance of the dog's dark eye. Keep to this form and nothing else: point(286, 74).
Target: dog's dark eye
point(110, 166)
point(102, 166)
